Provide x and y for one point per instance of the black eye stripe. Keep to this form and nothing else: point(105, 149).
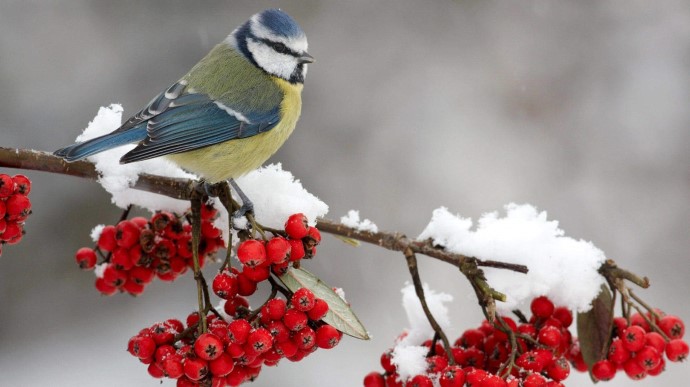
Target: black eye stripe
point(280, 47)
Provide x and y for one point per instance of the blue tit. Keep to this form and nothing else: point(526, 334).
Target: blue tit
point(230, 113)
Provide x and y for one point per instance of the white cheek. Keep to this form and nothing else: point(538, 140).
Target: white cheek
point(274, 63)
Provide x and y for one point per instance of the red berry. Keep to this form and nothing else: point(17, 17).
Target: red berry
point(319, 310)
point(328, 337)
point(564, 315)
point(531, 361)
point(637, 319)
point(558, 369)
point(6, 186)
point(671, 325)
point(534, 380)
point(239, 331)
point(542, 307)
point(141, 275)
point(549, 336)
point(374, 379)
point(127, 233)
point(86, 258)
point(677, 350)
point(245, 286)
point(634, 370)
point(280, 269)
point(295, 320)
point(113, 276)
point(260, 340)
point(221, 366)
point(274, 308)
point(18, 207)
point(225, 285)
point(278, 250)
point(22, 184)
point(471, 357)
point(133, 288)
point(13, 232)
point(234, 306)
point(237, 376)
point(633, 338)
point(208, 346)
point(120, 259)
point(297, 251)
point(420, 381)
point(387, 361)
point(659, 368)
point(286, 348)
point(452, 376)
point(303, 300)
point(471, 338)
point(142, 347)
point(655, 340)
point(603, 370)
point(195, 368)
point(617, 352)
point(251, 253)
point(297, 226)
point(279, 331)
point(393, 380)
point(104, 287)
point(106, 241)
point(155, 371)
point(256, 273)
point(648, 357)
point(173, 368)
point(208, 230)
point(313, 237)
point(305, 338)
point(493, 381)
point(160, 220)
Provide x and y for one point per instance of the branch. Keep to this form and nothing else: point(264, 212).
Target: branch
point(184, 189)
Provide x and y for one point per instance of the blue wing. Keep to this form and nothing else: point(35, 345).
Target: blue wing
point(176, 122)
point(195, 121)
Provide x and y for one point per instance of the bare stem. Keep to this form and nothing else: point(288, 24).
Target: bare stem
point(419, 289)
point(200, 282)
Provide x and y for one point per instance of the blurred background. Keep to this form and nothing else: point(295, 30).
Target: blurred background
point(577, 107)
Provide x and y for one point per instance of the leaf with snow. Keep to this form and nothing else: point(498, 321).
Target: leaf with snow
point(339, 315)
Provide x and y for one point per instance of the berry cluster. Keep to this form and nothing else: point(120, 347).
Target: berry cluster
point(260, 258)
point(231, 350)
point(15, 207)
point(231, 353)
point(638, 346)
point(485, 356)
point(135, 251)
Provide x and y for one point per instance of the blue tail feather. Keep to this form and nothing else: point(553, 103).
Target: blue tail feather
point(99, 144)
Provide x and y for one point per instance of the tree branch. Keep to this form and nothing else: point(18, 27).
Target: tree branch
point(184, 189)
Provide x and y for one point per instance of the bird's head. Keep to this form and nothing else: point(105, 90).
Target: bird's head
point(274, 42)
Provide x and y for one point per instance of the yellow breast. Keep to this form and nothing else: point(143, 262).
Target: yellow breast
point(235, 158)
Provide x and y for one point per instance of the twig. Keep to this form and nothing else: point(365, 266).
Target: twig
point(419, 289)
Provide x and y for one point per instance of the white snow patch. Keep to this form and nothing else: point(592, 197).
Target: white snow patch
point(96, 232)
point(352, 220)
point(560, 267)
point(409, 355)
point(99, 269)
point(118, 178)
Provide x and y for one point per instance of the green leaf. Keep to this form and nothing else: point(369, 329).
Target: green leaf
point(594, 328)
point(339, 315)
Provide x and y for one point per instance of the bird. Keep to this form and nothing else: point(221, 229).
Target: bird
point(231, 112)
